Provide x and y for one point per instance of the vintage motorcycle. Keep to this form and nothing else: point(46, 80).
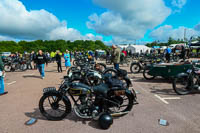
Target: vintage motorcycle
point(89, 102)
point(187, 83)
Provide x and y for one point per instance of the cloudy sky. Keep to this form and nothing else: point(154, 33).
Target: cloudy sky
point(112, 21)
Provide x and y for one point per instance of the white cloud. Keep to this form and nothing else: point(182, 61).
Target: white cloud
point(128, 20)
point(179, 3)
point(197, 27)
point(92, 37)
point(17, 22)
point(6, 38)
point(164, 32)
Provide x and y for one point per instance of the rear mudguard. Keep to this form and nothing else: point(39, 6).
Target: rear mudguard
point(180, 75)
point(133, 63)
point(128, 81)
point(133, 95)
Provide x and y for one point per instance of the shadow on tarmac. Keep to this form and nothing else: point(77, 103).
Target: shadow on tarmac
point(162, 91)
point(160, 80)
point(32, 76)
point(72, 117)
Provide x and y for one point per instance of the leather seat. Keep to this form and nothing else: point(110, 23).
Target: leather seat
point(101, 89)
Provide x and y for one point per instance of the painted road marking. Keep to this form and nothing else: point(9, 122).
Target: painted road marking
point(160, 98)
point(167, 98)
point(11, 83)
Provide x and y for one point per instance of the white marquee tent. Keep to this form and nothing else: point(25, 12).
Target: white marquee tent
point(135, 48)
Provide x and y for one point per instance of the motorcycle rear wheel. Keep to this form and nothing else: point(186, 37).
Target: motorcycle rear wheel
point(127, 106)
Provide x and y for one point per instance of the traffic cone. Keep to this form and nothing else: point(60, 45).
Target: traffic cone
point(2, 91)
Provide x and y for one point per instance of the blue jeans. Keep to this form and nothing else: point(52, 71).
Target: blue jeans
point(116, 66)
point(41, 69)
point(1, 85)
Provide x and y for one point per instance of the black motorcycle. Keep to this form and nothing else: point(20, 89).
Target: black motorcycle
point(187, 83)
point(89, 102)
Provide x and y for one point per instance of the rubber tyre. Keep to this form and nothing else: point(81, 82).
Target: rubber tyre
point(7, 68)
point(111, 70)
point(135, 65)
point(49, 117)
point(130, 104)
point(23, 67)
point(177, 90)
point(145, 73)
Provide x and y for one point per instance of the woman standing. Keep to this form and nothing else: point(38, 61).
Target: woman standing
point(67, 60)
point(58, 60)
point(2, 72)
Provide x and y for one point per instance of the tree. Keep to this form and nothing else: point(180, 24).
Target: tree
point(50, 45)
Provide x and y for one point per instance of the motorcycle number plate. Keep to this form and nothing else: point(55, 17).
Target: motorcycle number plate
point(189, 71)
point(49, 89)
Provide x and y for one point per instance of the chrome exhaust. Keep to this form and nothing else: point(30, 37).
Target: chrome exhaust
point(119, 114)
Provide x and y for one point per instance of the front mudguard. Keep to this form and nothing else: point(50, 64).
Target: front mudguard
point(57, 93)
point(181, 75)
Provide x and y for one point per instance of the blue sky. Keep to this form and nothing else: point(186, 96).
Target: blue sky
point(113, 21)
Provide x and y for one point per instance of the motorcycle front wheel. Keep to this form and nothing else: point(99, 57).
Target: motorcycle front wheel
point(23, 67)
point(54, 107)
point(135, 68)
point(181, 86)
point(7, 68)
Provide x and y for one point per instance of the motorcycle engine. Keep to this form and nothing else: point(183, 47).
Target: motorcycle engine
point(86, 109)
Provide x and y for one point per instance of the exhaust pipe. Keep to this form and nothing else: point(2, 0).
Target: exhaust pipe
point(119, 114)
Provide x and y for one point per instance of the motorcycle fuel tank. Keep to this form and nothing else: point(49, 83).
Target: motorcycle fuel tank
point(78, 89)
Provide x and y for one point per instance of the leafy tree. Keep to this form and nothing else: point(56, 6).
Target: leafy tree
point(50, 45)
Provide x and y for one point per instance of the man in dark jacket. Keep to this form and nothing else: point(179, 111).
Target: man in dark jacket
point(40, 61)
point(58, 60)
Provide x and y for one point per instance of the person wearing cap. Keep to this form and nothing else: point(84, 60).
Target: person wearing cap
point(67, 60)
point(116, 56)
point(58, 60)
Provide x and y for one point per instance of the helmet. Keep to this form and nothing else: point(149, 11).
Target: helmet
point(105, 121)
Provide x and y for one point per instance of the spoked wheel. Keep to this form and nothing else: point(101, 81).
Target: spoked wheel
point(23, 67)
point(101, 67)
point(111, 71)
point(135, 68)
point(146, 74)
point(125, 103)
point(54, 107)
point(181, 86)
point(75, 63)
point(7, 68)
point(71, 69)
point(108, 62)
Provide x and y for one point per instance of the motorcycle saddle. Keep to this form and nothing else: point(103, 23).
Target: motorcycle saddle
point(101, 89)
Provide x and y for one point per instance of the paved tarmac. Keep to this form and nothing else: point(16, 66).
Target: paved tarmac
point(156, 98)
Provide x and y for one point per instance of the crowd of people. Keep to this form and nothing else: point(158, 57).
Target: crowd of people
point(38, 60)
